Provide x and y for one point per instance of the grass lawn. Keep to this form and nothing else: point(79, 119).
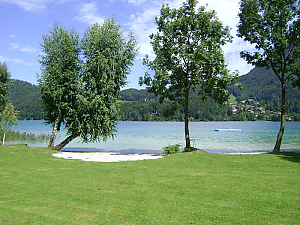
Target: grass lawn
point(187, 188)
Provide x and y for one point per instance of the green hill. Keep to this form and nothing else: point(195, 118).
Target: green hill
point(264, 86)
point(258, 100)
point(26, 99)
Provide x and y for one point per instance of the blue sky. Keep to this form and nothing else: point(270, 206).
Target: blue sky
point(24, 22)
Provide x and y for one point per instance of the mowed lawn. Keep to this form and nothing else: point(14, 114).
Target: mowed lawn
point(187, 188)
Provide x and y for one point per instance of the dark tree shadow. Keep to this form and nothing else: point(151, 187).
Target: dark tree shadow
point(289, 156)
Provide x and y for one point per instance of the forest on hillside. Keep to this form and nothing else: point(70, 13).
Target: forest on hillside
point(258, 100)
point(26, 99)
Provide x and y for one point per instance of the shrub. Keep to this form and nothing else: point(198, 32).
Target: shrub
point(172, 149)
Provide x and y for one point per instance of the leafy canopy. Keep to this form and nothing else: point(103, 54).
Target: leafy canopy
point(188, 54)
point(107, 57)
point(60, 68)
point(4, 84)
point(273, 27)
point(188, 57)
point(81, 79)
point(9, 116)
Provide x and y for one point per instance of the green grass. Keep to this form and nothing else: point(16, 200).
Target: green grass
point(232, 99)
point(186, 188)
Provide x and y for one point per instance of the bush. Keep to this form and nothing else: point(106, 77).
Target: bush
point(172, 149)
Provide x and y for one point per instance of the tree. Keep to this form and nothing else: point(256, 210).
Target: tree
point(189, 57)
point(4, 85)
point(8, 117)
point(273, 26)
point(89, 108)
point(58, 82)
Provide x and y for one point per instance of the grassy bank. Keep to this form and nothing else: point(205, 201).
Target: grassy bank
point(189, 188)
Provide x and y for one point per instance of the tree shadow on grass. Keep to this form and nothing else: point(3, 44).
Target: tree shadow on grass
point(289, 156)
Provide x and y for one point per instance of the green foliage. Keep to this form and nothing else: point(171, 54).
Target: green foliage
point(132, 94)
point(60, 67)
point(24, 136)
point(172, 149)
point(4, 85)
point(8, 117)
point(26, 99)
point(188, 56)
point(264, 86)
point(259, 84)
point(81, 89)
point(274, 28)
point(107, 61)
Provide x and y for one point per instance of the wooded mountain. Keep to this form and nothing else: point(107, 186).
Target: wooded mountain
point(264, 86)
point(26, 99)
point(260, 86)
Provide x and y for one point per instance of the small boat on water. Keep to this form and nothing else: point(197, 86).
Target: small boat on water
point(228, 130)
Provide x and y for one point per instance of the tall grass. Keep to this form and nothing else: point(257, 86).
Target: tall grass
point(24, 136)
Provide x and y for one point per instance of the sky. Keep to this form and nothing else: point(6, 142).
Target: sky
point(24, 22)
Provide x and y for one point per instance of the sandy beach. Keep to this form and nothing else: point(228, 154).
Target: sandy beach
point(105, 156)
point(115, 157)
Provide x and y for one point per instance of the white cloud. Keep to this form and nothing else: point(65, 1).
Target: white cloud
point(23, 49)
point(12, 36)
point(89, 13)
point(36, 6)
point(135, 2)
point(142, 24)
point(227, 11)
point(29, 5)
point(237, 63)
point(14, 45)
point(28, 49)
point(238, 45)
point(2, 58)
point(18, 61)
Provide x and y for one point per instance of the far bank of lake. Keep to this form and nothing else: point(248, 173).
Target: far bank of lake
point(151, 137)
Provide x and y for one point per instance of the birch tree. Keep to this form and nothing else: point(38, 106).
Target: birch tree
point(8, 117)
point(59, 78)
point(89, 109)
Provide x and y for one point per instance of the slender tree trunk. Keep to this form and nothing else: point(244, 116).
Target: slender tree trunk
point(282, 123)
point(65, 142)
point(3, 139)
point(53, 135)
point(186, 120)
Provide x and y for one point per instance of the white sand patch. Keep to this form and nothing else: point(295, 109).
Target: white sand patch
point(105, 156)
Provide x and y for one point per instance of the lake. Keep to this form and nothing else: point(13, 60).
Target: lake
point(151, 137)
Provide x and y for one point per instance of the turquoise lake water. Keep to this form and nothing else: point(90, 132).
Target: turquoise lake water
point(151, 137)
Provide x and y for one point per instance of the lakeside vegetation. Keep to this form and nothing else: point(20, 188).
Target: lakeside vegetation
point(12, 135)
point(185, 188)
point(260, 95)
